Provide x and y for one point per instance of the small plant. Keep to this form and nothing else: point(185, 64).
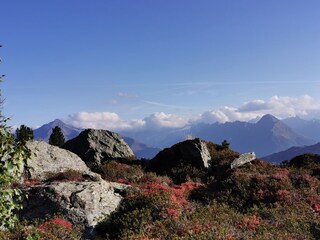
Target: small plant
point(67, 175)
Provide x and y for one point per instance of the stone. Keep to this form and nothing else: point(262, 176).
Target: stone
point(96, 146)
point(194, 152)
point(85, 204)
point(48, 160)
point(243, 159)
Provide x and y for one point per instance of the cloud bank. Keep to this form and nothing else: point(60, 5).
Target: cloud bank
point(281, 107)
point(112, 121)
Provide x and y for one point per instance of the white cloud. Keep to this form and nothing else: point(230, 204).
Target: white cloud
point(101, 120)
point(255, 105)
point(161, 119)
point(280, 107)
point(112, 121)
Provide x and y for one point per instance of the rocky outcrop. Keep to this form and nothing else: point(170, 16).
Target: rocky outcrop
point(83, 203)
point(97, 146)
point(85, 200)
point(243, 159)
point(194, 152)
point(47, 160)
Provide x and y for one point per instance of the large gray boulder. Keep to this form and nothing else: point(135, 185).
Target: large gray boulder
point(194, 152)
point(96, 146)
point(84, 203)
point(47, 160)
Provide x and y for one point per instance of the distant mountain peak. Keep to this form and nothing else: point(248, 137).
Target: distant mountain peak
point(268, 119)
point(57, 121)
point(43, 132)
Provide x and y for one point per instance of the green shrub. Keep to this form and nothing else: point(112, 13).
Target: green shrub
point(12, 157)
point(131, 217)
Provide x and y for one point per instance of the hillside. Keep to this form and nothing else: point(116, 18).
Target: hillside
point(292, 152)
point(194, 194)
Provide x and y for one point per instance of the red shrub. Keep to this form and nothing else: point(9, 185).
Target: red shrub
point(251, 222)
point(316, 207)
point(177, 195)
point(284, 196)
point(120, 180)
point(281, 174)
point(31, 182)
point(46, 226)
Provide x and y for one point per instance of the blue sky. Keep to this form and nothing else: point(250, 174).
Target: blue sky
point(129, 63)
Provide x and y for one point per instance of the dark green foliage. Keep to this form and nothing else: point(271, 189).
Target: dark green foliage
point(306, 161)
point(56, 137)
point(185, 172)
point(131, 218)
point(24, 133)
point(225, 144)
point(221, 159)
point(12, 157)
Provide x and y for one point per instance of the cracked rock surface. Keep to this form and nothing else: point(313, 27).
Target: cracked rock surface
point(84, 203)
point(49, 160)
point(96, 146)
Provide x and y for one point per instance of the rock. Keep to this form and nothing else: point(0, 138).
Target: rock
point(83, 203)
point(243, 159)
point(194, 152)
point(97, 146)
point(48, 160)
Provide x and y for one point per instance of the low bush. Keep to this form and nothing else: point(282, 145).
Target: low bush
point(56, 228)
point(67, 175)
point(115, 171)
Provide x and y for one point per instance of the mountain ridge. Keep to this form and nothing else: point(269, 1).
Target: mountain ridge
point(292, 152)
point(266, 136)
point(140, 149)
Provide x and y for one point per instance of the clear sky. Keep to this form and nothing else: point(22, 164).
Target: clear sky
point(129, 63)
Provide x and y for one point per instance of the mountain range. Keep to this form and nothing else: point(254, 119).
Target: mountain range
point(265, 136)
point(140, 150)
point(307, 128)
